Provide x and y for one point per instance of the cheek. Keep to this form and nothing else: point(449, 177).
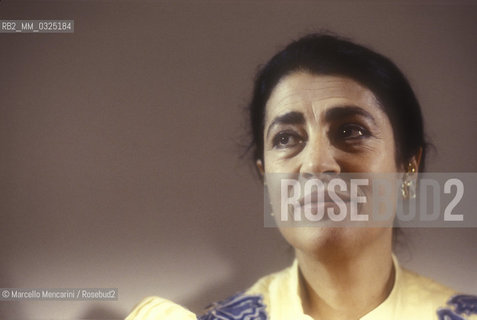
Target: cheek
point(385, 159)
point(380, 158)
point(382, 161)
point(274, 163)
point(385, 155)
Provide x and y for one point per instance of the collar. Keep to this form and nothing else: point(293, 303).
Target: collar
point(285, 301)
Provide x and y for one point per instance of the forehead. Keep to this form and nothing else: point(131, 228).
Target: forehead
point(302, 90)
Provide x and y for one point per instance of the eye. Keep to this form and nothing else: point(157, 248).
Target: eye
point(286, 139)
point(352, 131)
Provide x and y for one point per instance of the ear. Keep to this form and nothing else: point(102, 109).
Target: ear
point(260, 167)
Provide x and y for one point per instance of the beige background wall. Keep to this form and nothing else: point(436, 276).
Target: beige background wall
point(120, 143)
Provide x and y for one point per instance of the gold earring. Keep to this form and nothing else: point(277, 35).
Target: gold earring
point(408, 187)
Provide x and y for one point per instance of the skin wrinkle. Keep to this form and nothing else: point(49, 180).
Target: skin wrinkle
point(326, 89)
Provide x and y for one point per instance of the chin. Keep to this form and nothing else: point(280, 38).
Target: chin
point(333, 242)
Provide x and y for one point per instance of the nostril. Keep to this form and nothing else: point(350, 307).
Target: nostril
point(307, 175)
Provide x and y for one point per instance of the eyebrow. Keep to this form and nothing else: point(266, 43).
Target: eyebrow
point(340, 112)
point(333, 114)
point(293, 117)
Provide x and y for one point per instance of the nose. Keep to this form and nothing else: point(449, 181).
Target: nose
point(319, 157)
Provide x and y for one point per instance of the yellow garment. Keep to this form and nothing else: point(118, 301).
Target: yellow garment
point(412, 297)
point(155, 308)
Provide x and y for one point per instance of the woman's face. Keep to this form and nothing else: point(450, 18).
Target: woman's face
point(319, 124)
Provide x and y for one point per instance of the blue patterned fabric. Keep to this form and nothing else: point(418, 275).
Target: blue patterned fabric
point(447, 314)
point(251, 307)
point(465, 304)
point(237, 307)
point(462, 304)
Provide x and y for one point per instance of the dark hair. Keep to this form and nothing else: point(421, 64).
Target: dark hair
point(325, 54)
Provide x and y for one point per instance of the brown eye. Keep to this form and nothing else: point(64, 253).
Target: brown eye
point(286, 140)
point(352, 131)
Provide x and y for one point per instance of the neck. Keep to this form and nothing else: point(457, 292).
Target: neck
point(347, 286)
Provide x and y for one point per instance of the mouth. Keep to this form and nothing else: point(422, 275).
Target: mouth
point(323, 197)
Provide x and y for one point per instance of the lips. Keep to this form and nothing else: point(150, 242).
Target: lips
point(312, 198)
